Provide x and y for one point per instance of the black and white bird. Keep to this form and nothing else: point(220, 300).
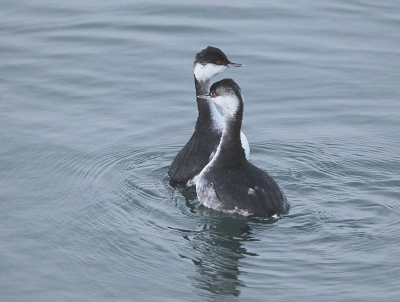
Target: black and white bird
point(201, 147)
point(229, 183)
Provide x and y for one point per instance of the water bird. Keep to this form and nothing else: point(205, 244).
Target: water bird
point(230, 183)
point(203, 144)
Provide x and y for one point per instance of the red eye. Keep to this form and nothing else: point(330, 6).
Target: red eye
point(213, 95)
point(218, 63)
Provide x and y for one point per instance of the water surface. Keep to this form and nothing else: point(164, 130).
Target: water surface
point(98, 98)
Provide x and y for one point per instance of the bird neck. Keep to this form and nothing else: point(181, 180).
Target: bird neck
point(230, 150)
point(209, 117)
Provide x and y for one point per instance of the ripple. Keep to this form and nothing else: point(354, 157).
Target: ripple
point(118, 202)
point(124, 191)
point(134, 175)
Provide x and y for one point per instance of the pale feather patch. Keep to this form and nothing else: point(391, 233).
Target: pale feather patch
point(209, 199)
point(242, 212)
point(193, 181)
point(206, 194)
point(211, 156)
point(251, 191)
point(245, 144)
point(229, 104)
point(216, 116)
point(207, 71)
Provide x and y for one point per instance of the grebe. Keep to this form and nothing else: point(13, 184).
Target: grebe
point(229, 183)
point(201, 147)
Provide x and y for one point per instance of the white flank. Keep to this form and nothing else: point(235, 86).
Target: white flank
point(206, 193)
point(245, 144)
point(192, 182)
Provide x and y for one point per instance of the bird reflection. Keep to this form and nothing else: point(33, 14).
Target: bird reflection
point(220, 248)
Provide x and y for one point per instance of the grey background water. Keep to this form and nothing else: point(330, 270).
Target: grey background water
point(97, 97)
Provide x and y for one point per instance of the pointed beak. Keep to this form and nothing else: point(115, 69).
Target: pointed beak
point(229, 65)
point(204, 96)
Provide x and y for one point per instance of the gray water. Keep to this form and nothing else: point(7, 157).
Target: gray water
point(97, 98)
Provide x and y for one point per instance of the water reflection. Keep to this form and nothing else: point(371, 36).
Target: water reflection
point(220, 247)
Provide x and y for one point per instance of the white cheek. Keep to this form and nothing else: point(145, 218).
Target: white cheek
point(206, 72)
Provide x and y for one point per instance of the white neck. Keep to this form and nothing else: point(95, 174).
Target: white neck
point(216, 116)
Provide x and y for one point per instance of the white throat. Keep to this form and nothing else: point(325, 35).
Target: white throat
point(216, 116)
point(229, 104)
